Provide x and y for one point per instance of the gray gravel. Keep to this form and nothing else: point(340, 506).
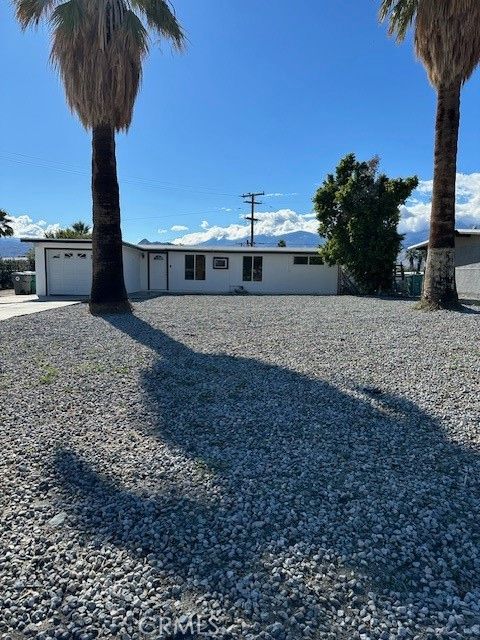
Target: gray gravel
point(241, 467)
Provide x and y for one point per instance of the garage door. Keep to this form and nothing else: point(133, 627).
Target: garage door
point(69, 272)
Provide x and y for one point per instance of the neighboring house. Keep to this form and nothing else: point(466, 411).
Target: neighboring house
point(64, 267)
point(467, 262)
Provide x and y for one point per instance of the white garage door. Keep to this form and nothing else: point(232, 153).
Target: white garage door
point(69, 272)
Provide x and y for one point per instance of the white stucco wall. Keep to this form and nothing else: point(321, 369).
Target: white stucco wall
point(40, 269)
point(133, 269)
point(468, 281)
point(467, 273)
point(280, 275)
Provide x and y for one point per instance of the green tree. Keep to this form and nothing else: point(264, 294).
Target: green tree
point(447, 41)
point(358, 209)
point(78, 229)
point(281, 243)
point(5, 228)
point(99, 49)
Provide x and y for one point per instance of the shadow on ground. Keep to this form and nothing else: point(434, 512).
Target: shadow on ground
point(314, 491)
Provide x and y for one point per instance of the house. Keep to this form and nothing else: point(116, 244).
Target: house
point(64, 267)
point(467, 262)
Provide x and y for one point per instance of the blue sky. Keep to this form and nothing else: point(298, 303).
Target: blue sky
point(267, 97)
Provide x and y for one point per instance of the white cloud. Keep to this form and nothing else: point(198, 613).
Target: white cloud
point(162, 231)
point(225, 209)
point(24, 226)
point(273, 223)
point(204, 224)
point(178, 228)
point(416, 213)
point(279, 195)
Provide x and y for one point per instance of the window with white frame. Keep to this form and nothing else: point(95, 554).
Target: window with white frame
point(195, 267)
point(252, 268)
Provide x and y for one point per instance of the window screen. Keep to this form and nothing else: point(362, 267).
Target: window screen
point(257, 268)
point(189, 267)
point(200, 267)
point(247, 268)
point(300, 260)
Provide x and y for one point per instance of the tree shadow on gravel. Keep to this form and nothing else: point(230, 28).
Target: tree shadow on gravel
point(310, 491)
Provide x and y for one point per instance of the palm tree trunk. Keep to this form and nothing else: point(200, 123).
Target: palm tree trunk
point(108, 293)
point(440, 290)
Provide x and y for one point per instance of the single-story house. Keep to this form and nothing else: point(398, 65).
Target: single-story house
point(467, 262)
point(64, 268)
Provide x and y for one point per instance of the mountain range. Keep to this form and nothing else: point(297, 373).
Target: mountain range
point(12, 247)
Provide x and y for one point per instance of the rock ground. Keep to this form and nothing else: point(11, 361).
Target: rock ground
point(241, 467)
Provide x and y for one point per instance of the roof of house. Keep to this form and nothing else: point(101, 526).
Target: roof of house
point(458, 232)
point(179, 247)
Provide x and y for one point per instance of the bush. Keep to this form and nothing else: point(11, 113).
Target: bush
point(7, 267)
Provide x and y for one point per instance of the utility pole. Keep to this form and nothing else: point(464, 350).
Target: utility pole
point(249, 198)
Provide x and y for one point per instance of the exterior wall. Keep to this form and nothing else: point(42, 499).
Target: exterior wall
point(280, 275)
point(467, 273)
point(40, 270)
point(468, 281)
point(133, 267)
point(143, 271)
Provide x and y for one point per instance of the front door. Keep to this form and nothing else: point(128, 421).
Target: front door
point(158, 271)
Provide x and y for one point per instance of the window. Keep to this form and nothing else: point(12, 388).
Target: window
point(194, 267)
point(220, 263)
point(307, 260)
point(252, 268)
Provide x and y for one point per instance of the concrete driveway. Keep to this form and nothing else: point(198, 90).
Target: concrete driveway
point(12, 306)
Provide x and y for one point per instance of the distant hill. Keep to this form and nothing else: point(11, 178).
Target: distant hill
point(145, 241)
point(293, 239)
point(13, 248)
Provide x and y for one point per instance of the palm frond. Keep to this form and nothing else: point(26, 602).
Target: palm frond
point(161, 18)
point(400, 15)
point(99, 59)
point(447, 39)
point(30, 12)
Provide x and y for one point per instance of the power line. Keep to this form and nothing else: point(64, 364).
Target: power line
point(42, 163)
point(249, 198)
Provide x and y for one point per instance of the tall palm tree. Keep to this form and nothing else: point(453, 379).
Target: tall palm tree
point(447, 41)
point(98, 47)
point(5, 228)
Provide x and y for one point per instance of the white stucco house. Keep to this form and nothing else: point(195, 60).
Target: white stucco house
point(467, 262)
point(64, 268)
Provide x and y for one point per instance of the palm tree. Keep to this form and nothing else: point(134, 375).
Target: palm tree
point(5, 228)
point(78, 229)
point(98, 47)
point(447, 41)
point(81, 228)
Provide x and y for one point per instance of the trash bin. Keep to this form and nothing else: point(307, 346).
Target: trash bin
point(414, 284)
point(23, 282)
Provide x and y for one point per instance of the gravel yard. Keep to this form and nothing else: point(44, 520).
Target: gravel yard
point(241, 467)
